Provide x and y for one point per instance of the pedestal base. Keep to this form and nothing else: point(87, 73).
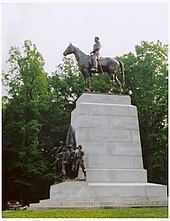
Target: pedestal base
point(80, 194)
point(107, 128)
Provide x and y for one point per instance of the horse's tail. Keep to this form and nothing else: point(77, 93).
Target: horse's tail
point(122, 70)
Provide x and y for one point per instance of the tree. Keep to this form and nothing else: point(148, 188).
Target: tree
point(23, 163)
point(147, 82)
point(66, 86)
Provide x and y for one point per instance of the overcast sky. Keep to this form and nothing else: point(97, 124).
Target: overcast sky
point(52, 26)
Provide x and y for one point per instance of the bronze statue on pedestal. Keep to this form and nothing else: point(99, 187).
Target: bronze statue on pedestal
point(86, 64)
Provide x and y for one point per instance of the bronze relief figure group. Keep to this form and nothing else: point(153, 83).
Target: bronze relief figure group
point(67, 161)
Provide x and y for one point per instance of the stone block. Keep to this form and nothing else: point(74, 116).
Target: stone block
point(66, 189)
point(104, 98)
point(103, 109)
point(105, 121)
point(133, 111)
point(156, 190)
point(116, 189)
point(117, 175)
point(111, 148)
point(103, 134)
point(113, 162)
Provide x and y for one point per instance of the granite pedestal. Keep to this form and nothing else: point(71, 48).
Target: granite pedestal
point(107, 128)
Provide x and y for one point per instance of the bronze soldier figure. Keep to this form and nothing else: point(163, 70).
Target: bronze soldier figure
point(60, 148)
point(60, 162)
point(95, 54)
point(69, 171)
point(80, 162)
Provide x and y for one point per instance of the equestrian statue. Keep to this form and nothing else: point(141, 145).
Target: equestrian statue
point(89, 64)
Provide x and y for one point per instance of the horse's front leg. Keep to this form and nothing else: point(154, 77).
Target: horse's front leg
point(84, 78)
point(87, 81)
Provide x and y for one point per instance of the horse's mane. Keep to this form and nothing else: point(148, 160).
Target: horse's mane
point(80, 50)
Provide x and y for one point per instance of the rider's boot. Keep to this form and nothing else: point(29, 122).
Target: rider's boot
point(94, 69)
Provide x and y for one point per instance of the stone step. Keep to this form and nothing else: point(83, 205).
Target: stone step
point(117, 175)
point(82, 189)
point(127, 189)
point(100, 202)
point(103, 199)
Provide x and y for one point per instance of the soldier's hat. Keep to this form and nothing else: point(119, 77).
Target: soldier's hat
point(97, 38)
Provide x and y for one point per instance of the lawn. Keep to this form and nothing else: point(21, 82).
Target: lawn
point(161, 212)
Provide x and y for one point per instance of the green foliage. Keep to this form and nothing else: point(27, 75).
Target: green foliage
point(147, 82)
point(66, 86)
point(23, 163)
point(100, 213)
point(101, 83)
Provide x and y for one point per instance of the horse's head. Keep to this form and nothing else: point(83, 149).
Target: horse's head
point(69, 50)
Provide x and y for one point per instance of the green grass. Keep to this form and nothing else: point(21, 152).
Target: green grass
point(161, 212)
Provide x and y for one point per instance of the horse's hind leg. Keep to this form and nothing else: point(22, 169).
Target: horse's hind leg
point(112, 83)
point(87, 85)
point(120, 84)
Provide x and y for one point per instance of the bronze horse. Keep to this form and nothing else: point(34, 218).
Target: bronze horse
point(109, 65)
